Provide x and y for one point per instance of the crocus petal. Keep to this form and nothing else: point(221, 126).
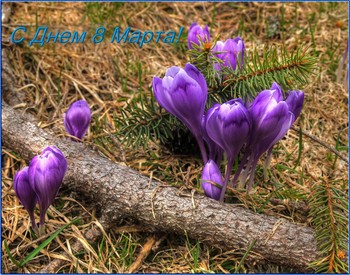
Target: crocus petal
point(172, 71)
point(295, 101)
point(213, 148)
point(240, 50)
point(278, 131)
point(219, 46)
point(23, 190)
point(264, 102)
point(288, 121)
point(193, 72)
point(277, 91)
point(231, 50)
point(162, 94)
point(229, 57)
point(271, 120)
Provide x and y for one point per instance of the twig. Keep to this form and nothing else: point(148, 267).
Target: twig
point(300, 206)
point(314, 138)
point(145, 251)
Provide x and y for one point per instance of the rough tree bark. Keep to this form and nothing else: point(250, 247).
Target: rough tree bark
point(119, 190)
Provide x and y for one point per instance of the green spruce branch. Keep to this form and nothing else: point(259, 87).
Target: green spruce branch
point(290, 69)
point(329, 212)
point(143, 120)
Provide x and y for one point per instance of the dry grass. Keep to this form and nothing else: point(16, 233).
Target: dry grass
point(108, 75)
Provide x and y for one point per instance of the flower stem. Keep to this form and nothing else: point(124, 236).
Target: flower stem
point(227, 176)
point(267, 163)
point(219, 154)
point(34, 226)
point(243, 179)
point(41, 230)
point(202, 148)
point(239, 170)
point(252, 173)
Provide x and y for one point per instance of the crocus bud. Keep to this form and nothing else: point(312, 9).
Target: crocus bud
point(25, 193)
point(77, 119)
point(46, 173)
point(211, 176)
point(195, 32)
point(229, 126)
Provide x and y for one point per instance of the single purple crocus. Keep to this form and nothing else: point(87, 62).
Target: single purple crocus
point(229, 125)
point(231, 52)
point(183, 93)
point(46, 173)
point(196, 32)
point(212, 180)
point(77, 119)
point(25, 193)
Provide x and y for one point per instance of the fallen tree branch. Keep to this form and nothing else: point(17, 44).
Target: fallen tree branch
point(120, 191)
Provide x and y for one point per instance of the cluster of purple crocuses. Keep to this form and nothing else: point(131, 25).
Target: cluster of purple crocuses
point(226, 128)
point(39, 182)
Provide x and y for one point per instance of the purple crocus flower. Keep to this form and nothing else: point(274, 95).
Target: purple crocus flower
point(195, 32)
point(183, 93)
point(229, 125)
point(272, 117)
point(25, 193)
point(77, 119)
point(211, 175)
point(232, 53)
point(46, 173)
